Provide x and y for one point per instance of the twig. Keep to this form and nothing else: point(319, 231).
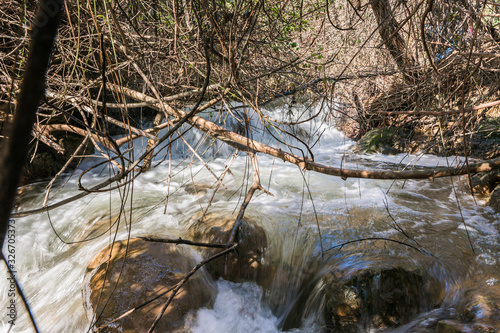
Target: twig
point(422, 34)
point(183, 241)
point(255, 186)
point(184, 280)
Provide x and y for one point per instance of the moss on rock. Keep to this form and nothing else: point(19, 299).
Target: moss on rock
point(385, 140)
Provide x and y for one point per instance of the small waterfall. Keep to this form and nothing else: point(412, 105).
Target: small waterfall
point(306, 221)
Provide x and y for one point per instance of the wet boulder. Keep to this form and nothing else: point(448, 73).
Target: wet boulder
point(377, 298)
point(385, 140)
point(119, 279)
point(494, 199)
point(476, 308)
point(485, 183)
point(244, 264)
point(482, 311)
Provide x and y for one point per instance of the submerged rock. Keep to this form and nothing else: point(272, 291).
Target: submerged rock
point(482, 311)
point(476, 308)
point(245, 264)
point(198, 189)
point(451, 326)
point(113, 286)
point(382, 298)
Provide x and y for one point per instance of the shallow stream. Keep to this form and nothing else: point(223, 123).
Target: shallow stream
point(437, 214)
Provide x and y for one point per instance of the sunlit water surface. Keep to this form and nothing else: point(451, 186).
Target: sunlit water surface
point(438, 214)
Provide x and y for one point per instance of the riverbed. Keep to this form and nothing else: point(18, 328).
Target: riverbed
point(307, 217)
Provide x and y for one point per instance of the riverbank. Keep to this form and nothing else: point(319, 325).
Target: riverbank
point(441, 138)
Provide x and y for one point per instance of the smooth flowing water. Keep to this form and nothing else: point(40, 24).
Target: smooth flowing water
point(308, 215)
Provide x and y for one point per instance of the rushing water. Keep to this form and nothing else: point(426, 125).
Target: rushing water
point(298, 229)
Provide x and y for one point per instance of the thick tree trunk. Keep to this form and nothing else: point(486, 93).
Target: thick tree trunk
point(13, 154)
point(392, 39)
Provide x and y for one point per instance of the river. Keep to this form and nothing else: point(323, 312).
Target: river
point(438, 214)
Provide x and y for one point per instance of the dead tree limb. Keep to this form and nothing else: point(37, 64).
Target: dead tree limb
point(185, 279)
point(80, 102)
point(255, 186)
point(246, 144)
point(183, 241)
point(428, 9)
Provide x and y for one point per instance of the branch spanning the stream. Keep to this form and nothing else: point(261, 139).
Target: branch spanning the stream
point(184, 241)
point(247, 144)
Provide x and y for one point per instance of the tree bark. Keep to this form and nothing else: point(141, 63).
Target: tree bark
point(13, 154)
point(388, 29)
point(246, 144)
point(146, 166)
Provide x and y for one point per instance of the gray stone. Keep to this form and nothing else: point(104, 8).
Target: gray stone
point(494, 199)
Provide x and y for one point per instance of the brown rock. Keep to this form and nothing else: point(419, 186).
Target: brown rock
point(113, 286)
point(483, 308)
point(242, 265)
point(456, 326)
point(486, 327)
point(484, 183)
point(494, 200)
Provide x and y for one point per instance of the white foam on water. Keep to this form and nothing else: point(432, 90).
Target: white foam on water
point(52, 272)
point(237, 309)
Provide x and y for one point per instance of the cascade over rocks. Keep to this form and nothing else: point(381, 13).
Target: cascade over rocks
point(483, 308)
point(377, 298)
point(150, 269)
point(479, 311)
point(243, 265)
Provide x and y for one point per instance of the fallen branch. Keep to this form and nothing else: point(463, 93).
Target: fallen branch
point(247, 144)
point(46, 130)
point(183, 241)
point(442, 113)
point(77, 101)
point(255, 186)
point(47, 140)
point(117, 178)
